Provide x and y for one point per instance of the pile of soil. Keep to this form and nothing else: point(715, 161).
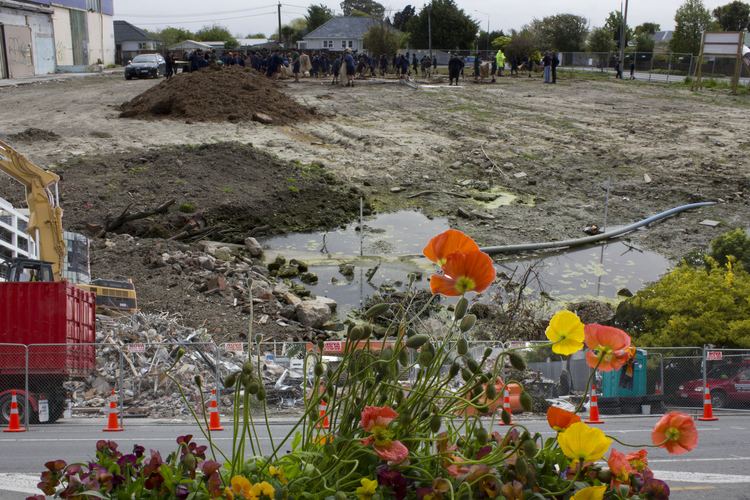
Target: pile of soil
point(34, 134)
point(217, 95)
point(231, 189)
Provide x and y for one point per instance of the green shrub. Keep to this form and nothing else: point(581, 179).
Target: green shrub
point(690, 307)
point(187, 208)
point(733, 243)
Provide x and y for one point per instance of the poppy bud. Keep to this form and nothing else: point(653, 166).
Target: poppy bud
point(340, 495)
point(321, 345)
point(376, 311)
point(472, 365)
point(517, 361)
point(403, 357)
point(454, 369)
point(231, 379)
point(417, 341)
point(189, 461)
point(466, 374)
point(435, 423)
point(253, 387)
point(261, 394)
point(258, 338)
point(461, 306)
point(180, 354)
point(462, 347)
point(467, 323)
point(487, 353)
point(526, 402)
point(247, 368)
point(491, 392)
point(481, 434)
point(505, 417)
point(529, 448)
point(198, 380)
point(605, 475)
point(319, 369)
point(356, 333)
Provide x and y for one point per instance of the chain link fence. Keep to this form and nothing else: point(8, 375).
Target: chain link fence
point(55, 381)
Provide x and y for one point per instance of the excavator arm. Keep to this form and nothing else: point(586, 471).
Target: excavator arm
point(45, 214)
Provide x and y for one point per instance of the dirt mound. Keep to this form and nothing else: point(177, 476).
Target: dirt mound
point(225, 191)
point(216, 95)
point(34, 134)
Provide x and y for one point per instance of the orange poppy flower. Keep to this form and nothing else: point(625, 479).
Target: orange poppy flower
point(560, 419)
point(377, 417)
point(676, 433)
point(464, 272)
point(619, 466)
point(609, 347)
point(638, 460)
point(446, 243)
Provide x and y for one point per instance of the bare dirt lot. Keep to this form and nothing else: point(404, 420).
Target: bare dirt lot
point(548, 151)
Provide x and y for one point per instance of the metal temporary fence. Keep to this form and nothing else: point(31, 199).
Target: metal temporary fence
point(55, 380)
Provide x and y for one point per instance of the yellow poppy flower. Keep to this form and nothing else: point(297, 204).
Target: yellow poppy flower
point(228, 494)
point(241, 486)
point(278, 473)
point(582, 443)
point(590, 493)
point(367, 490)
point(264, 489)
point(565, 331)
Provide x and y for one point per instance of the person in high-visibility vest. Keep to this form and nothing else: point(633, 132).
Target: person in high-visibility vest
point(500, 59)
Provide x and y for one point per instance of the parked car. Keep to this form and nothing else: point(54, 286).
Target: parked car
point(729, 384)
point(146, 66)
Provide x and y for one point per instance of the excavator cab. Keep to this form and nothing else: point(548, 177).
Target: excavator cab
point(28, 270)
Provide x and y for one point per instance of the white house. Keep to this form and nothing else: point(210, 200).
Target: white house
point(338, 34)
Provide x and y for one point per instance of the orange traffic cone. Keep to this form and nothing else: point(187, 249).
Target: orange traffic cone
point(594, 408)
point(506, 406)
point(322, 409)
point(113, 421)
point(14, 424)
point(214, 422)
point(708, 407)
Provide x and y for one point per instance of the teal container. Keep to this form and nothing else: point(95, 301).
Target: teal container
point(616, 384)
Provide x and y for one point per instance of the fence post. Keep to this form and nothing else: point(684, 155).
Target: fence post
point(705, 368)
point(27, 408)
point(120, 382)
point(218, 372)
point(651, 70)
point(691, 70)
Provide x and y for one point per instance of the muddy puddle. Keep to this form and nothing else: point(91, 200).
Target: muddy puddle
point(351, 264)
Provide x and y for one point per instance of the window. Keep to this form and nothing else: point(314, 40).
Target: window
point(343, 44)
point(351, 44)
point(94, 5)
point(327, 44)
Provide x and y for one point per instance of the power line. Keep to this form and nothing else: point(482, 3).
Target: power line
point(206, 20)
point(155, 16)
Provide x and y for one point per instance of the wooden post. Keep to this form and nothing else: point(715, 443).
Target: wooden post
point(697, 85)
point(738, 62)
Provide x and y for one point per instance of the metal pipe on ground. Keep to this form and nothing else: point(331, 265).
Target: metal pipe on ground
point(526, 247)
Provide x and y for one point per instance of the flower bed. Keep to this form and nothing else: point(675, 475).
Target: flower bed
point(376, 440)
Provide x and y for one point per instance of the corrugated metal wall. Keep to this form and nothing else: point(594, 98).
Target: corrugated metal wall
point(80, 32)
point(3, 69)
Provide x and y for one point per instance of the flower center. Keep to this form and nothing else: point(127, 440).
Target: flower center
point(672, 434)
point(465, 284)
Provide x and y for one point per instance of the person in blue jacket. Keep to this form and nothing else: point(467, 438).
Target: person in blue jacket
point(350, 68)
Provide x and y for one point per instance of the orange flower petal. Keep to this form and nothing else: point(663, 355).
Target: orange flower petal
point(597, 336)
point(441, 246)
point(476, 266)
point(443, 285)
point(560, 419)
point(675, 432)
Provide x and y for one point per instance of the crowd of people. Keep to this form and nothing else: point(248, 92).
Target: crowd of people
point(351, 65)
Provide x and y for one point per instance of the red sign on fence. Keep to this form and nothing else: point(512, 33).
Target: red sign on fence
point(137, 347)
point(714, 356)
point(235, 346)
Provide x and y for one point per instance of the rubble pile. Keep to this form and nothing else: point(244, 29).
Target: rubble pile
point(217, 95)
point(146, 346)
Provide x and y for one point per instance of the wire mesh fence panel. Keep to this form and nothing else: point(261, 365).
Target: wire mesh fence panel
point(727, 377)
point(13, 378)
point(670, 370)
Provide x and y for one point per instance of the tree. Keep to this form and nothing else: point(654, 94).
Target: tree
point(691, 20)
point(171, 36)
point(317, 15)
point(600, 40)
point(500, 43)
point(401, 19)
point(484, 42)
point(293, 32)
point(614, 25)
point(522, 43)
point(452, 28)
point(363, 7)
point(734, 16)
point(644, 42)
point(380, 40)
point(217, 33)
point(256, 35)
point(562, 32)
point(648, 28)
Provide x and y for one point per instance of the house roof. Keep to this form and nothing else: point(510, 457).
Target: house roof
point(126, 32)
point(662, 36)
point(251, 42)
point(349, 27)
point(190, 44)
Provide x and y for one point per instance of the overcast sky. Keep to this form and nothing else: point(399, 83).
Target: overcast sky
point(259, 16)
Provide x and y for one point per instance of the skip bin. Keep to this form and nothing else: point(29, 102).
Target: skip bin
point(618, 384)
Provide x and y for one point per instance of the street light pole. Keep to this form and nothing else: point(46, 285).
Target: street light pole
point(623, 29)
point(429, 28)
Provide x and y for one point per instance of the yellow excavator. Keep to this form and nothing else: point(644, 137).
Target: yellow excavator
point(46, 229)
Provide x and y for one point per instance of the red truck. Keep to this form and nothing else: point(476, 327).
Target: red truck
point(729, 384)
point(51, 326)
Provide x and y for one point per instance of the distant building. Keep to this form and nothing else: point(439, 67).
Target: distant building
point(131, 41)
point(43, 36)
point(338, 34)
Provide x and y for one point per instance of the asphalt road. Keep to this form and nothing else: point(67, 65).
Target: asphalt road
point(718, 468)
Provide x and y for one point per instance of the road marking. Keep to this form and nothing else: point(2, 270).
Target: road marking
point(21, 483)
point(88, 440)
point(738, 428)
point(700, 477)
point(688, 460)
point(691, 488)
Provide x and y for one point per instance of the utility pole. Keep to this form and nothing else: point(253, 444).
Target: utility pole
point(280, 23)
point(429, 29)
point(623, 28)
